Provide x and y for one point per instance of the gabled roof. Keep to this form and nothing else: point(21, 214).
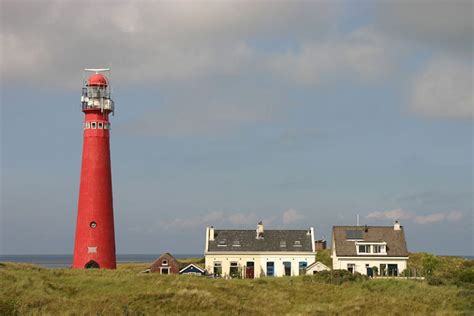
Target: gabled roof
point(273, 241)
point(318, 263)
point(192, 266)
point(395, 239)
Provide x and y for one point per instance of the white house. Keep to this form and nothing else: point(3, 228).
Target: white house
point(316, 267)
point(360, 248)
point(256, 253)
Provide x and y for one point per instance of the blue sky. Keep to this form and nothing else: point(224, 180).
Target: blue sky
point(295, 113)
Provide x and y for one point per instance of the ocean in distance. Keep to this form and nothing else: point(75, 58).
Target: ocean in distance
point(65, 261)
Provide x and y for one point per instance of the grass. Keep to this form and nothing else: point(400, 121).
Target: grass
point(31, 290)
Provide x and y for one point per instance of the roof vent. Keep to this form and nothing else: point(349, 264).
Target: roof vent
point(222, 243)
point(283, 243)
point(297, 243)
point(236, 243)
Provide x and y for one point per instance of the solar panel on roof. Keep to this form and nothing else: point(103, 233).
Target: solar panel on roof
point(354, 234)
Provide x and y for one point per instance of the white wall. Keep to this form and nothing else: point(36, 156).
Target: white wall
point(340, 263)
point(260, 262)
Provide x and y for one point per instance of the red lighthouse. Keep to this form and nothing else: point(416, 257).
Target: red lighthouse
point(94, 245)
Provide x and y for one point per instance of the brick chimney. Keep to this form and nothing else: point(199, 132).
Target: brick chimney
point(320, 244)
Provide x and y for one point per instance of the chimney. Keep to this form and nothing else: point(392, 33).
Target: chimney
point(320, 244)
point(260, 230)
point(396, 226)
point(211, 233)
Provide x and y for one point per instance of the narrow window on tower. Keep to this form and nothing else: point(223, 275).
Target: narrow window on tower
point(100, 125)
point(88, 125)
point(106, 125)
point(93, 125)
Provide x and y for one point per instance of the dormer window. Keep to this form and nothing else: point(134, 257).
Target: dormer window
point(283, 243)
point(297, 243)
point(236, 243)
point(371, 248)
point(222, 243)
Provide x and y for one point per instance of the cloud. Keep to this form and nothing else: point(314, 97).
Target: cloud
point(361, 54)
point(392, 214)
point(400, 214)
point(217, 219)
point(439, 25)
point(205, 109)
point(49, 42)
point(291, 216)
point(444, 89)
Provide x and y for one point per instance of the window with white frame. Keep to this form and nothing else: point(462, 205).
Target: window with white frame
point(100, 125)
point(217, 268)
point(351, 267)
point(371, 248)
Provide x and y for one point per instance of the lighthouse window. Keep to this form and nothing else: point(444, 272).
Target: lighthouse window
point(93, 224)
point(93, 124)
point(99, 125)
point(106, 125)
point(88, 125)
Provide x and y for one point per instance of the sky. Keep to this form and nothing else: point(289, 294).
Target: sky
point(295, 113)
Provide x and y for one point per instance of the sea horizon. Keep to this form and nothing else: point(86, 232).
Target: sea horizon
point(65, 260)
point(59, 261)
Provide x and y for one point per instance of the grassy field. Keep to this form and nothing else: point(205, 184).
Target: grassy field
point(28, 289)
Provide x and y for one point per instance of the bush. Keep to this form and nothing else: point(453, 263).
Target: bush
point(434, 280)
point(429, 263)
point(336, 277)
point(466, 276)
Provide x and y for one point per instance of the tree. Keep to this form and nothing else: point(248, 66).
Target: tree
point(429, 263)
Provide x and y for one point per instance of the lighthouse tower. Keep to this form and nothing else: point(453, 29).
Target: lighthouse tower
point(94, 245)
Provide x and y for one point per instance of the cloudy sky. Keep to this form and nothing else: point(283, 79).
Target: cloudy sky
point(295, 113)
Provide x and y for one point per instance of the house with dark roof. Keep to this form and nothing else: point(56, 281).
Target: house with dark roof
point(255, 253)
point(370, 250)
point(166, 264)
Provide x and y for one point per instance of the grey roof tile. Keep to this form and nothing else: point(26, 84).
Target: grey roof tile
point(395, 239)
point(270, 242)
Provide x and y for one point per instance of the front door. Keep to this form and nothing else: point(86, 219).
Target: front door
point(392, 269)
point(249, 270)
point(370, 272)
point(92, 265)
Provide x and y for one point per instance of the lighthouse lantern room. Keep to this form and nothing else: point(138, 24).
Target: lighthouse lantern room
point(94, 245)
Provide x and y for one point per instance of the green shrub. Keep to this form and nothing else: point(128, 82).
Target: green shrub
point(337, 277)
point(466, 276)
point(434, 280)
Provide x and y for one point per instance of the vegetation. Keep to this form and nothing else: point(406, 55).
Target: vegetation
point(28, 289)
point(324, 256)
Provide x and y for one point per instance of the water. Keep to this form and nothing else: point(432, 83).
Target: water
point(65, 261)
